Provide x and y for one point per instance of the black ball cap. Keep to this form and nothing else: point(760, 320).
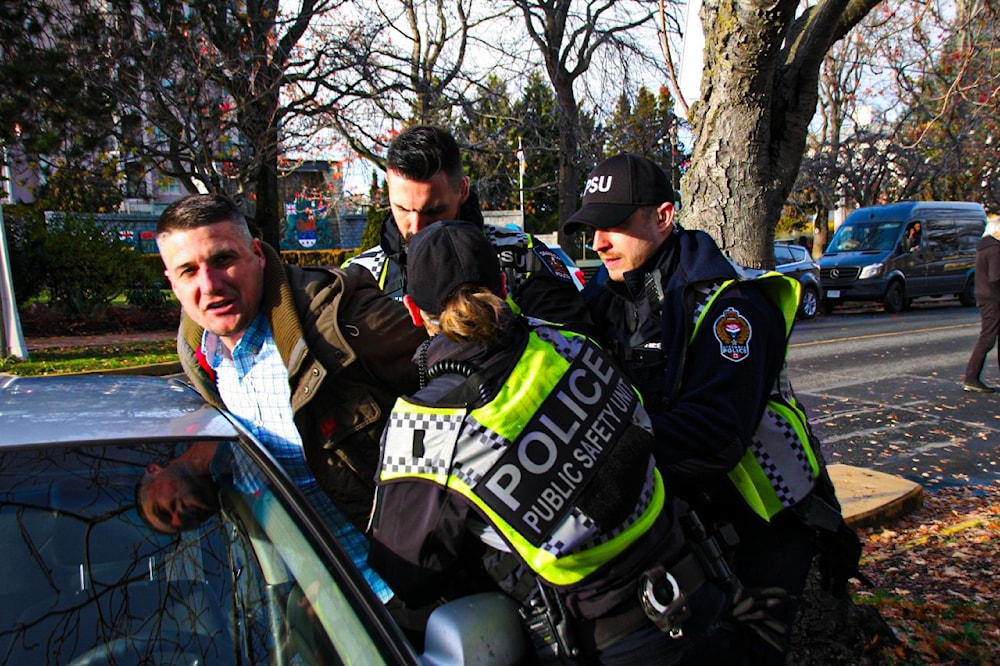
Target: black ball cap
point(444, 255)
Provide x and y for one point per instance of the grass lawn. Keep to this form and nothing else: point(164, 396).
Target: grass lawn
point(59, 360)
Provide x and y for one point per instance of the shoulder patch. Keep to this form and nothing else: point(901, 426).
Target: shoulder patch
point(552, 262)
point(733, 332)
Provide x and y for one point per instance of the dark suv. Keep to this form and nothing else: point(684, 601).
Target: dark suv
point(795, 261)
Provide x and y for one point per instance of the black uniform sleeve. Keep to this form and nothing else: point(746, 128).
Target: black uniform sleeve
point(549, 293)
point(417, 539)
point(705, 430)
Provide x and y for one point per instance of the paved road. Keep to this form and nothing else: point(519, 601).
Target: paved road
point(884, 392)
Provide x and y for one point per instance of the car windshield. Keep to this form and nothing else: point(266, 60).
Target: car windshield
point(86, 581)
point(865, 236)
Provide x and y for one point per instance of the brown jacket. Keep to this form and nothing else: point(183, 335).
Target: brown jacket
point(348, 350)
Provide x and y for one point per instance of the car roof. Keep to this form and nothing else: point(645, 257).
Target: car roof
point(104, 409)
point(903, 209)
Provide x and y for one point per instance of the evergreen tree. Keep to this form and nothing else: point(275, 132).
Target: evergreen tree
point(488, 133)
point(49, 110)
point(647, 127)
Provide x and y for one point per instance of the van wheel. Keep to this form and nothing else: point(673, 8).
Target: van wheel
point(968, 295)
point(893, 300)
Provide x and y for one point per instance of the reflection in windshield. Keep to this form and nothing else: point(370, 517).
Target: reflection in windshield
point(865, 236)
point(86, 582)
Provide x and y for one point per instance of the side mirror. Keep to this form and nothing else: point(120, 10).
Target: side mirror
point(482, 629)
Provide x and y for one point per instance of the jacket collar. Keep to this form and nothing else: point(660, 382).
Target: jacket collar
point(690, 254)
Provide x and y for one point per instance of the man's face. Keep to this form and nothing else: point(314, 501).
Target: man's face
point(629, 245)
point(218, 277)
point(175, 500)
point(416, 204)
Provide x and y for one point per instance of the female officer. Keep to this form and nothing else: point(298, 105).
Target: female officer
point(527, 454)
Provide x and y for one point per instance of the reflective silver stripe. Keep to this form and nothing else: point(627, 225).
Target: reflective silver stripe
point(578, 531)
point(439, 441)
point(781, 454)
point(373, 261)
point(703, 294)
point(567, 346)
point(479, 448)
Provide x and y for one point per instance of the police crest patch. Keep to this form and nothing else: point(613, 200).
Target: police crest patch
point(552, 262)
point(733, 332)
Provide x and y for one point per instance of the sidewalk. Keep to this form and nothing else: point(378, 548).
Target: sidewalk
point(95, 340)
point(868, 498)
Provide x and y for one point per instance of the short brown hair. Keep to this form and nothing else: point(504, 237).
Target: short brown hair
point(201, 210)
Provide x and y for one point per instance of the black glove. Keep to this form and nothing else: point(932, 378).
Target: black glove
point(750, 610)
point(839, 555)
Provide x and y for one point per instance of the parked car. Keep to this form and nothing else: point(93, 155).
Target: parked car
point(902, 251)
point(575, 271)
point(260, 581)
point(795, 261)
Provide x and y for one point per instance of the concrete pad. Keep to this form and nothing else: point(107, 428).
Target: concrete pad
point(871, 499)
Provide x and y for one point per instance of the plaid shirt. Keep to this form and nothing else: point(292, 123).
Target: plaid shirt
point(253, 383)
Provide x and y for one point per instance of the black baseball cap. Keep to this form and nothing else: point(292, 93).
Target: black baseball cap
point(616, 188)
point(444, 255)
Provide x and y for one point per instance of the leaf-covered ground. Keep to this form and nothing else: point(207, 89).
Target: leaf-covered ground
point(937, 578)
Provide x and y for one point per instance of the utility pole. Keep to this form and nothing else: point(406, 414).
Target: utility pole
point(521, 165)
point(11, 339)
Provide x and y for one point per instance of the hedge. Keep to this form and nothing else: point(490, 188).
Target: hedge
point(307, 258)
point(303, 258)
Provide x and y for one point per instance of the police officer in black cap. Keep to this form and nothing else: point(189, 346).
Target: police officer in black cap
point(527, 454)
point(705, 346)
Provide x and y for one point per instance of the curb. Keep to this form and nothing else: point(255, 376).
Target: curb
point(871, 499)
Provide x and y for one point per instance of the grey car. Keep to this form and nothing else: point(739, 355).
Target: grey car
point(795, 261)
point(258, 580)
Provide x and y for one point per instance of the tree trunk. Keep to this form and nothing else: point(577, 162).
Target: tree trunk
point(729, 191)
point(569, 194)
point(268, 208)
point(759, 94)
point(264, 120)
point(735, 188)
point(821, 231)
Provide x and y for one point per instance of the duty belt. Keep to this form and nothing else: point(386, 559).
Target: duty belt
point(684, 576)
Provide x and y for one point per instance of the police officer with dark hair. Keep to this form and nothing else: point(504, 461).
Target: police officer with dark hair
point(527, 455)
point(425, 183)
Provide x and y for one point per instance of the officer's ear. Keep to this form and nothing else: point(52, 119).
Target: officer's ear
point(463, 191)
point(414, 310)
point(665, 218)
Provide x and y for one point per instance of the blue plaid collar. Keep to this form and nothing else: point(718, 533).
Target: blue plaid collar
point(248, 346)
